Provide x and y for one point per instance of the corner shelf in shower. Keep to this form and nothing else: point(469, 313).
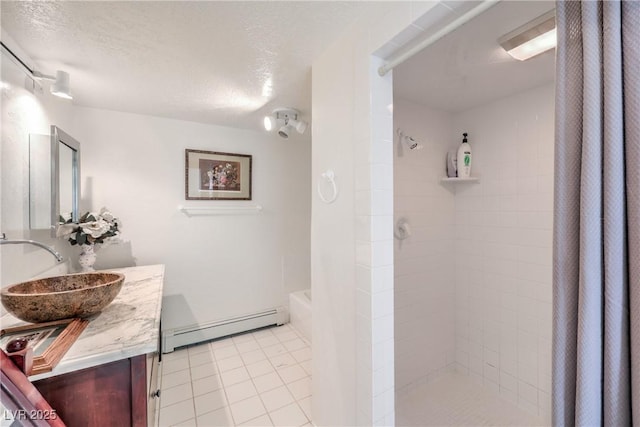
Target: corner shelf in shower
point(473, 180)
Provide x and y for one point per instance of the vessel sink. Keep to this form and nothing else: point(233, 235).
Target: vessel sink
point(61, 297)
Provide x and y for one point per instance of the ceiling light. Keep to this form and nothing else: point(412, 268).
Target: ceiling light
point(287, 120)
point(531, 39)
point(269, 123)
point(60, 87)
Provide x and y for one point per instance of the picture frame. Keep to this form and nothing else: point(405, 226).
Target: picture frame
point(49, 340)
point(212, 175)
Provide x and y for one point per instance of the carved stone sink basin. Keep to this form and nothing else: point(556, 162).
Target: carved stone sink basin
point(61, 297)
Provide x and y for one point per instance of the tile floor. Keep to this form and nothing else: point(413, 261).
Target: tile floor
point(455, 400)
point(260, 378)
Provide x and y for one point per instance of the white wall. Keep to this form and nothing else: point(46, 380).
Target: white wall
point(503, 248)
point(216, 265)
point(351, 240)
point(424, 263)
point(24, 113)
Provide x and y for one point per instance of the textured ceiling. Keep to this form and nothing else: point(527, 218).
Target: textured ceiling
point(468, 68)
point(224, 63)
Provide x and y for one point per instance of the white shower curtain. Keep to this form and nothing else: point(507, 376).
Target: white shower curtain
point(596, 275)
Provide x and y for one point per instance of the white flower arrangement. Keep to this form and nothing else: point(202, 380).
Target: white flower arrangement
point(92, 228)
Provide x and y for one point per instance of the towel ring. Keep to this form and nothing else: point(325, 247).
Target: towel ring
point(330, 177)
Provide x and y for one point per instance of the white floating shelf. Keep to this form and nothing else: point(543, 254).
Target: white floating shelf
point(461, 180)
point(219, 210)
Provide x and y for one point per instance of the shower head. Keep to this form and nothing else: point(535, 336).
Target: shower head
point(407, 140)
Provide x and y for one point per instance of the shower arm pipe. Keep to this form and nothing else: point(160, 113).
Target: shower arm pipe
point(452, 26)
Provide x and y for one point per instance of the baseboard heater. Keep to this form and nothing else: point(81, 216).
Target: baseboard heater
point(174, 338)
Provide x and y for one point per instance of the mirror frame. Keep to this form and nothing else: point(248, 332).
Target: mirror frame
point(58, 136)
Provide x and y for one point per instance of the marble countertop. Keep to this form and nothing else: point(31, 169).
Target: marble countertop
point(129, 326)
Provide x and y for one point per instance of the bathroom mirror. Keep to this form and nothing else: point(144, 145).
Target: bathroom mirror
point(65, 177)
point(54, 179)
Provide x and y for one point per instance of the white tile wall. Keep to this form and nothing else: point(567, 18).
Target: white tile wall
point(424, 263)
point(503, 248)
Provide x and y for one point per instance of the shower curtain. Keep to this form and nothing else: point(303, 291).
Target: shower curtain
point(596, 271)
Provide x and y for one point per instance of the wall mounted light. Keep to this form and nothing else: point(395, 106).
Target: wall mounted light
point(60, 86)
point(287, 120)
point(531, 39)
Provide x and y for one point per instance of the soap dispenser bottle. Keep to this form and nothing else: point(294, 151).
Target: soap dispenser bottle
point(464, 158)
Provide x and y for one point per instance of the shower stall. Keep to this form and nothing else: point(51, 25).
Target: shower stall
point(473, 258)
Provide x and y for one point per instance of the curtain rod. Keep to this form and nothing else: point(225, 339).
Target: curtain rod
point(391, 64)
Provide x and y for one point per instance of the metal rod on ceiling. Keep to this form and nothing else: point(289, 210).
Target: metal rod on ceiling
point(453, 25)
point(10, 52)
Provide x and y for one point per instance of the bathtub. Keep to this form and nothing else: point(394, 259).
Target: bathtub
point(300, 312)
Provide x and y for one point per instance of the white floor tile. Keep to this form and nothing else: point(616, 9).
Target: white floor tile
point(253, 356)
point(247, 346)
point(267, 382)
point(206, 385)
point(306, 365)
point(220, 417)
point(248, 336)
point(260, 368)
point(302, 355)
point(234, 376)
point(290, 415)
point(274, 350)
point(175, 394)
point(264, 420)
point(236, 381)
point(198, 348)
point(291, 373)
point(223, 353)
point(203, 371)
point(294, 344)
point(177, 354)
point(210, 402)
point(276, 398)
point(279, 330)
point(300, 388)
point(187, 423)
point(201, 358)
point(178, 412)
point(233, 362)
point(176, 365)
point(283, 361)
point(287, 336)
point(267, 341)
point(175, 378)
point(263, 333)
point(305, 405)
point(221, 343)
point(247, 409)
point(240, 391)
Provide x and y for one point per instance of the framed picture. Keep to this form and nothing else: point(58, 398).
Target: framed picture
point(210, 175)
point(49, 341)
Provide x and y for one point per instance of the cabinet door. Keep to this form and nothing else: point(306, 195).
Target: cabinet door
point(107, 395)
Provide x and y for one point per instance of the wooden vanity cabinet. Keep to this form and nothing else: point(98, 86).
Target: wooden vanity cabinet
point(120, 393)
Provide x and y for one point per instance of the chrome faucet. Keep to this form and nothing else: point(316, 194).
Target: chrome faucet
point(5, 241)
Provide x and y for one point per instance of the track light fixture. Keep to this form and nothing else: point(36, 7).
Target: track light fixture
point(60, 86)
point(287, 120)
